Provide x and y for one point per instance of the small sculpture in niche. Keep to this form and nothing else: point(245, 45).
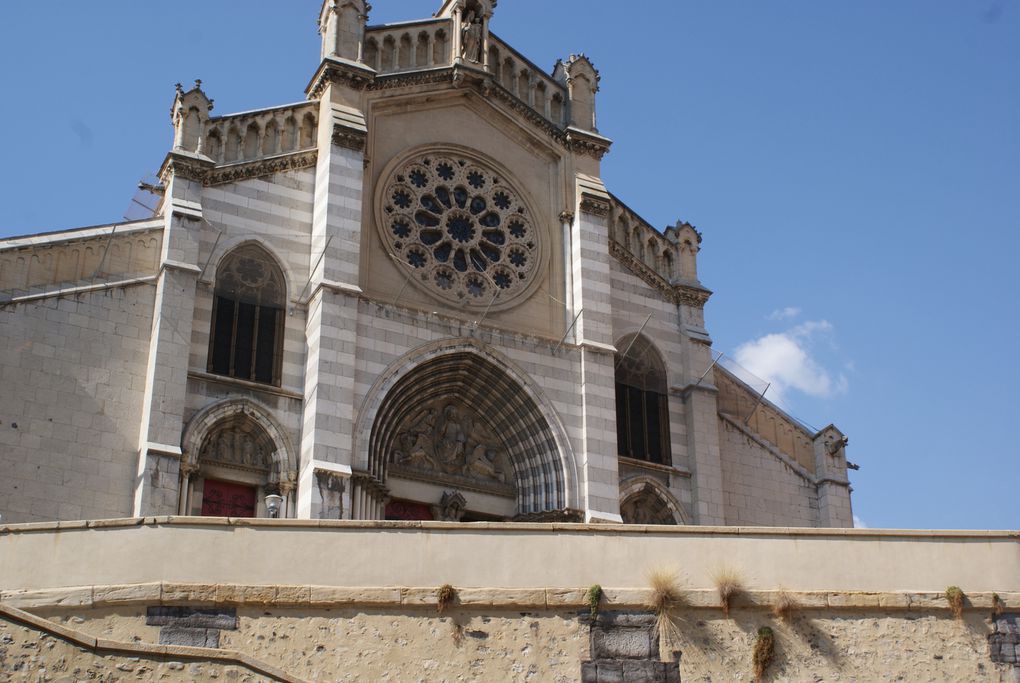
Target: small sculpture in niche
point(451, 507)
point(471, 37)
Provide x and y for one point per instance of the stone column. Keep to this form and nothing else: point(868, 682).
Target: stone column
point(331, 327)
point(159, 450)
point(589, 250)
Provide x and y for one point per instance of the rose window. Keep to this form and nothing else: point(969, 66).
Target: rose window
point(459, 229)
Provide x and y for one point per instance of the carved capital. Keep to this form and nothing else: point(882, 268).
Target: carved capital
point(349, 138)
point(567, 217)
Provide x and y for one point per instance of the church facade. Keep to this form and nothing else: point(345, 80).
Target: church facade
point(410, 296)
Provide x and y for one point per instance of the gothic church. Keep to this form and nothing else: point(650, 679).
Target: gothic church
point(409, 296)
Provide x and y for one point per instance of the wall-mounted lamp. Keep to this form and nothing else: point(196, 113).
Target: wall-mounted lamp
point(273, 504)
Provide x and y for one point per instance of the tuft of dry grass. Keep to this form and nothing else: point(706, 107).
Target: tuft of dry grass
point(664, 600)
point(784, 606)
point(729, 583)
point(764, 652)
point(955, 597)
point(445, 595)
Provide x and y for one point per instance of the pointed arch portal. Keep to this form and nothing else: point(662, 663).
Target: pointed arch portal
point(431, 414)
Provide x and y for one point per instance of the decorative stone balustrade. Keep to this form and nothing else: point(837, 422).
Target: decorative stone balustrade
point(256, 135)
point(666, 260)
point(407, 47)
point(527, 82)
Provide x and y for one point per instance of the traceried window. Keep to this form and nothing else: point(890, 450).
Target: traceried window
point(642, 411)
point(459, 229)
point(246, 335)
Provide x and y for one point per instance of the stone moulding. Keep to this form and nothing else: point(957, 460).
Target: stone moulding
point(574, 141)
point(210, 175)
point(170, 593)
point(349, 138)
point(595, 206)
point(680, 295)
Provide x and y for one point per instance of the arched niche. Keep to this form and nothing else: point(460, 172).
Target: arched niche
point(643, 500)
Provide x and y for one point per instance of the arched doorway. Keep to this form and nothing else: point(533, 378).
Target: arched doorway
point(235, 456)
point(458, 435)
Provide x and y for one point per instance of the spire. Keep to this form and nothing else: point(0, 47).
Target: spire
point(188, 115)
point(342, 26)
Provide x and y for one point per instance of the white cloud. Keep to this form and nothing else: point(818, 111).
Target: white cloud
point(784, 313)
point(859, 523)
point(785, 360)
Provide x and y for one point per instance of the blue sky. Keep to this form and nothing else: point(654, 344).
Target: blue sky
point(854, 167)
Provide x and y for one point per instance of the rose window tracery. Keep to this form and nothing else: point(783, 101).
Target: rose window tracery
point(459, 229)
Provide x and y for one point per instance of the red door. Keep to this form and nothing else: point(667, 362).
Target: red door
point(408, 512)
point(226, 499)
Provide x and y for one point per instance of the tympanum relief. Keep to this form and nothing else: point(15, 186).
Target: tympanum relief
point(645, 508)
point(239, 445)
point(447, 441)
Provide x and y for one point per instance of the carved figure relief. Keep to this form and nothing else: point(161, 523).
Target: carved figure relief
point(447, 438)
point(238, 444)
point(471, 37)
point(645, 508)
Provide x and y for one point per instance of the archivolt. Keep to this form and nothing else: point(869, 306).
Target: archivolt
point(544, 469)
point(283, 460)
point(648, 487)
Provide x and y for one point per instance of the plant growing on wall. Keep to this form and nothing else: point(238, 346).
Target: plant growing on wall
point(997, 605)
point(955, 597)
point(664, 599)
point(764, 651)
point(593, 597)
point(729, 583)
point(784, 606)
point(445, 595)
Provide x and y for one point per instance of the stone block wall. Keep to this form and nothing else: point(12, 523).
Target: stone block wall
point(72, 371)
point(760, 486)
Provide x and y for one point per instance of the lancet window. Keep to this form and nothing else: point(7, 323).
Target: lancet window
point(642, 411)
point(246, 335)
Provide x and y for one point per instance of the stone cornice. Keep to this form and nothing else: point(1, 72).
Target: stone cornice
point(695, 297)
point(262, 167)
point(587, 144)
point(208, 174)
point(679, 294)
point(349, 137)
point(595, 206)
point(573, 140)
point(335, 70)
